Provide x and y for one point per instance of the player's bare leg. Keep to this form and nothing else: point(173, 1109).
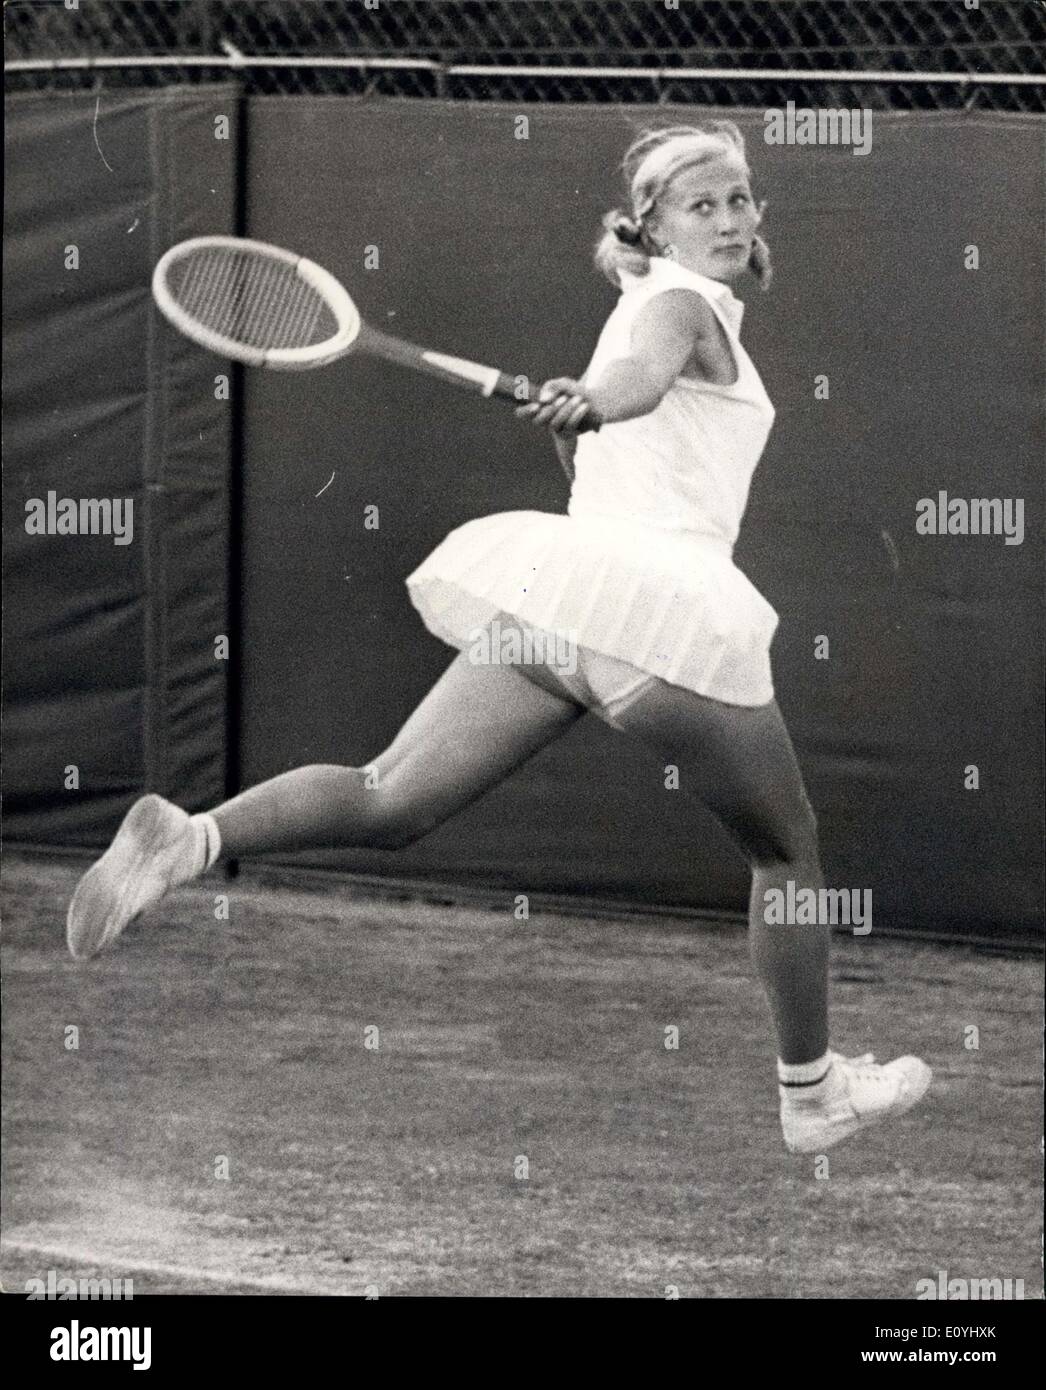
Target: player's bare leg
point(740, 762)
point(475, 726)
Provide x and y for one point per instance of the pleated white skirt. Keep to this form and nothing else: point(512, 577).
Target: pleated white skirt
point(671, 603)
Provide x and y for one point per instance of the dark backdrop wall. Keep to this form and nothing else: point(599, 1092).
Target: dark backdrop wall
point(109, 651)
point(483, 242)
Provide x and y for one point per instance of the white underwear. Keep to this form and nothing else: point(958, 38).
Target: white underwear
point(604, 685)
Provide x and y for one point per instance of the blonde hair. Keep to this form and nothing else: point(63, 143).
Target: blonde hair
point(650, 164)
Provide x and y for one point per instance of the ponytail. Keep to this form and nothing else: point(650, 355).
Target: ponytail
point(624, 246)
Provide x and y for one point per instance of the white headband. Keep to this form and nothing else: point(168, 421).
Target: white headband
point(665, 161)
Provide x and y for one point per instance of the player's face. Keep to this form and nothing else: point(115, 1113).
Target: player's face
point(708, 215)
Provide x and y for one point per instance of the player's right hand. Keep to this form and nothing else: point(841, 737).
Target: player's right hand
point(561, 406)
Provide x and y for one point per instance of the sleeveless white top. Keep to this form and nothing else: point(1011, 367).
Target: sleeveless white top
point(641, 567)
point(688, 464)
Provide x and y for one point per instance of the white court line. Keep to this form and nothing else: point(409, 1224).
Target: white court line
point(79, 1256)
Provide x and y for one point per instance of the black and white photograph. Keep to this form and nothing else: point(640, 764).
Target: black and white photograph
point(523, 662)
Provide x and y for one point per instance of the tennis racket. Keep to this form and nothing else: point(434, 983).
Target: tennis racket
point(268, 307)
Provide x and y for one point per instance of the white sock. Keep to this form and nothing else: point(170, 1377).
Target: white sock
point(207, 842)
point(803, 1080)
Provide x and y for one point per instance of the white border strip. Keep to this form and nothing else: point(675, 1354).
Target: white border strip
point(219, 60)
point(1019, 79)
point(750, 74)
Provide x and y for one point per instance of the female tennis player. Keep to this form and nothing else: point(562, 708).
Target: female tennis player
point(668, 641)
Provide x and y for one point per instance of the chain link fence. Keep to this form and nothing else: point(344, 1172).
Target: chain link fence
point(889, 54)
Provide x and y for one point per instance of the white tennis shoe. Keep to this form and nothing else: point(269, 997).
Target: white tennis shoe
point(152, 851)
point(857, 1092)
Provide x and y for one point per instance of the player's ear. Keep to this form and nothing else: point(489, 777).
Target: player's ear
point(759, 263)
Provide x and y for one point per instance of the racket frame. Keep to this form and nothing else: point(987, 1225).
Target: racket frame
point(330, 290)
point(353, 334)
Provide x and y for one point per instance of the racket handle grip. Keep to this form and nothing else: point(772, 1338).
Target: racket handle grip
point(508, 387)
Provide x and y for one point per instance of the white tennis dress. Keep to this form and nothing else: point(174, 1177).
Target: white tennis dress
point(640, 569)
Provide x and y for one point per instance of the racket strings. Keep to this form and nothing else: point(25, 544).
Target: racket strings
point(250, 298)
